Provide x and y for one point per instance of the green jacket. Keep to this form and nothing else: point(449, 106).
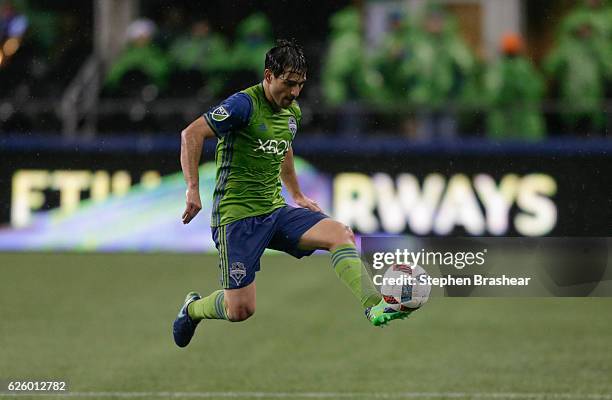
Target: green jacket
point(149, 59)
point(600, 41)
point(395, 50)
point(206, 54)
point(514, 91)
point(440, 69)
point(345, 73)
point(252, 44)
point(581, 76)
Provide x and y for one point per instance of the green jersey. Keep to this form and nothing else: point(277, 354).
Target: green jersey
point(253, 139)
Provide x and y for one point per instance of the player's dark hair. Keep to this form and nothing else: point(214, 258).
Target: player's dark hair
point(286, 55)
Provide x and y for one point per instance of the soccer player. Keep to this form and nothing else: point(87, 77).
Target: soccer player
point(254, 130)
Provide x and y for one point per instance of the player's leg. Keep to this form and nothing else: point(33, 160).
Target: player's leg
point(240, 303)
point(231, 304)
point(240, 246)
point(212, 306)
point(338, 239)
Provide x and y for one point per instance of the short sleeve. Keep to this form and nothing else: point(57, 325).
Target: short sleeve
point(233, 113)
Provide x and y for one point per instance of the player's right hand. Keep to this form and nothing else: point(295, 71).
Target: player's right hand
point(194, 205)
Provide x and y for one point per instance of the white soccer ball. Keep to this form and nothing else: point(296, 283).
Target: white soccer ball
point(397, 290)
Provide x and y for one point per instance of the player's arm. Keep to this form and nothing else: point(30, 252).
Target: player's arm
point(192, 141)
point(233, 113)
point(289, 178)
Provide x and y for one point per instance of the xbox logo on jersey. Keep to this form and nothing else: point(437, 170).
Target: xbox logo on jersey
point(272, 146)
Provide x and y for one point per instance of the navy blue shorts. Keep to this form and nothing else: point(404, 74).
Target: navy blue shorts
point(242, 243)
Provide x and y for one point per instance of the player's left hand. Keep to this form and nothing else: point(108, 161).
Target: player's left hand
point(193, 205)
point(305, 202)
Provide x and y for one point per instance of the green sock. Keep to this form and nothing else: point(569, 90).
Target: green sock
point(351, 271)
point(210, 307)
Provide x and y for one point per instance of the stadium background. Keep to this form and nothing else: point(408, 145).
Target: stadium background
point(93, 257)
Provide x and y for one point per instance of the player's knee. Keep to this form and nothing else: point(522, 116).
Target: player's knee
point(240, 312)
point(342, 235)
point(350, 235)
point(243, 314)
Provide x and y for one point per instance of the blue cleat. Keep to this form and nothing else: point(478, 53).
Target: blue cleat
point(184, 327)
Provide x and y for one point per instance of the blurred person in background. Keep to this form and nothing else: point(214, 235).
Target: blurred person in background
point(141, 57)
point(345, 75)
point(441, 69)
point(252, 43)
point(514, 91)
point(395, 51)
point(581, 63)
point(203, 51)
point(598, 12)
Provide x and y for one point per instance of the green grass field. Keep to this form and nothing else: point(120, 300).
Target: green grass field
point(103, 322)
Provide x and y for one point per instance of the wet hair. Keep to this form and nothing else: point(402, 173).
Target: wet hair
point(286, 55)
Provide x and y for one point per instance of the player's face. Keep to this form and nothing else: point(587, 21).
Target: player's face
point(286, 87)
